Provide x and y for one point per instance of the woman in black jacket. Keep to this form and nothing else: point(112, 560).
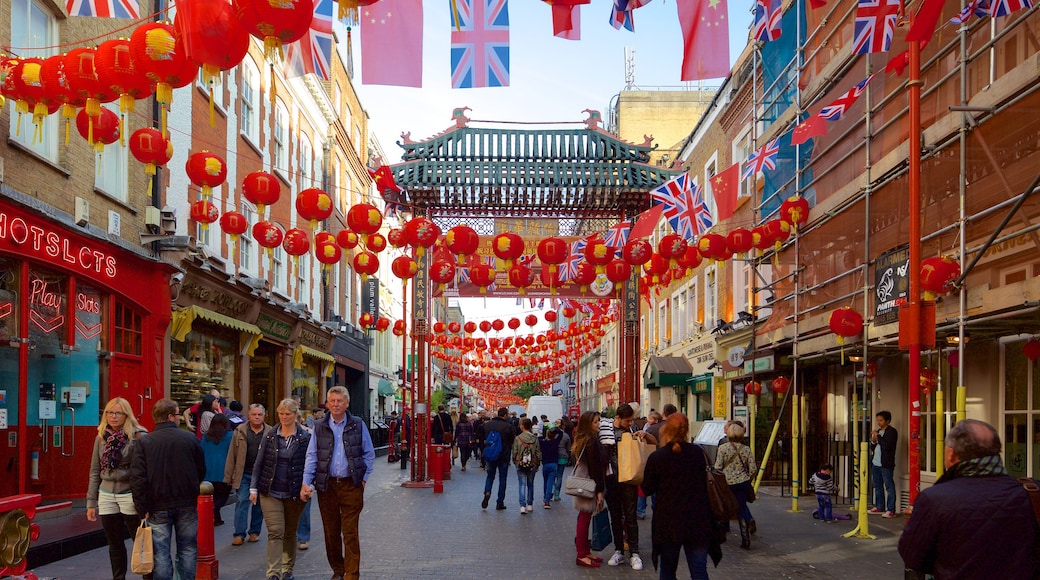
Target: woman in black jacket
point(276, 483)
point(591, 460)
point(682, 516)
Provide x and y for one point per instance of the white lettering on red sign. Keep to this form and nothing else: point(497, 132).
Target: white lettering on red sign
point(53, 244)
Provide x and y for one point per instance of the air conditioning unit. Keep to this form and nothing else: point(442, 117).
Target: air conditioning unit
point(82, 212)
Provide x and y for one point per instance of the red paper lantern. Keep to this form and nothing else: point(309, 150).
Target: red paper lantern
point(553, 251)
point(599, 254)
point(954, 359)
point(234, 224)
point(482, 275)
point(846, 323)
point(470, 327)
point(753, 388)
point(740, 241)
point(382, 323)
point(366, 263)
point(795, 211)
point(462, 241)
point(781, 385)
point(514, 323)
point(531, 320)
point(1031, 349)
point(115, 70)
point(366, 321)
point(267, 235)
point(937, 275)
point(324, 238)
point(395, 237)
point(103, 128)
point(498, 324)
point(376, 243)
point(150, 147)
point(347, 239)
point(438, 327)
point(618, 271)
point(83, 82)
point(690, 259)
point(56, 85)
point(521, 277)
point(712, 246)
point(421, 233)
point(314, 205)
point(656, 268)
point(508, 247)
point(442, 272)
point(262, 189)
point(162, 60)
point(275, 23)
point(328, 253)
point(672, 247)
point(775, 233)
point(206, 170)
point(30, 92)
point(759, 239)
point(551, 279)
point(296, 242)
point(485, 326)
point(204, 212)
point(212, 36)
point(399, 328)
point(550, 316)
point(584, 275)
point(404, 267)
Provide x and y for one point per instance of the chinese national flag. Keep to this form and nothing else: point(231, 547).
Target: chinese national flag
point(724, 187)
point(566, 22)
point(391, 43)
point(646, 223)
point(705, 28)
point(814, 126)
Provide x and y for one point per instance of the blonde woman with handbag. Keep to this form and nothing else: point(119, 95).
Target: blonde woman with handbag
point(591, 462)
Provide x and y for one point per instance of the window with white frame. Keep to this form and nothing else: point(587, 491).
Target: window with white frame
point(710, 169)
point(249, 116)
point(246, 245)
point(711, 298)
point(679, 326)
point(303, 276)
point(741, 151)
point(110, 173)
point(742, 284)
point(337, 98)
point(281, 138)
point(644, 333)
point(205, 234)
point(662, 323)
point(692, 306)
point(35, 31)
point(306, 163)
point(278, 270)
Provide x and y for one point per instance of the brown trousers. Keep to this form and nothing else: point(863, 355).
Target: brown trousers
point(282, 517)
point(340, 506)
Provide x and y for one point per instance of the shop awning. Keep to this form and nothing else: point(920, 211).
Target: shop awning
point(182, 320)
point(386, 388)
point(667, 371)
point(302, 351)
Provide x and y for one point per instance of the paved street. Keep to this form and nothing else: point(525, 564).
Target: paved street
point(410, 533)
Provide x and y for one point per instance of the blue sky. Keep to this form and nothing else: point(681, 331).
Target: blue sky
point(550, 79)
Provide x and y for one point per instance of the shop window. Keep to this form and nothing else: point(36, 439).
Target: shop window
point(35, 32)
point(1021, 412)
point(127, 330)
point(110, 174)
point(305, 383)
point(47, 309)
point(206, 360)
point(8, 299)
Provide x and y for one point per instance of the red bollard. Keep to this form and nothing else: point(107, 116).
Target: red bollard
point(208, 568)
point(436, 468)
point(447, 463)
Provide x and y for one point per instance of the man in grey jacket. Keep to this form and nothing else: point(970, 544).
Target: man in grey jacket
point(244, 446)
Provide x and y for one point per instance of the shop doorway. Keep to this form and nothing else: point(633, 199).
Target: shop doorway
point(264, 371)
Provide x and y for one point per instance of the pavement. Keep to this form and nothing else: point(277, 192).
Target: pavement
point(414, 533)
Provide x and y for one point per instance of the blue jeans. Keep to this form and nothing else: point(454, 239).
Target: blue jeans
point(883, 477)
point(561, 472)
point(502, 467)
point(303, 531)
point(549, 477)
point(741, 492)
point(184, 522)
point(696, 559)
point(823, 501)
point(526, 482)
point(247, 515)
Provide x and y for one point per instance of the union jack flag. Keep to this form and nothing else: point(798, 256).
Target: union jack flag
point(103, 8)
point(621, 16)
point(616, 236)
point(761, 159)
point(313, 52)
point(767, 20)
point(1005, 7)
point(569, 268)
point(684, 206)
point(836, 109)
point(875, 24)
point(480, 44)
point(978, 8)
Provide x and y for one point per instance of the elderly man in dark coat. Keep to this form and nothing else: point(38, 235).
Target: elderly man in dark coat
point(976, 521)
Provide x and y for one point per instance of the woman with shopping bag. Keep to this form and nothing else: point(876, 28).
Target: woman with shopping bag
point(591, 463)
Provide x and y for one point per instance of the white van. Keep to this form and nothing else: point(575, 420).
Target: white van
point(551, 407)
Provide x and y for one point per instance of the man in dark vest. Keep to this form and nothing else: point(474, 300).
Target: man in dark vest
point(340, 458)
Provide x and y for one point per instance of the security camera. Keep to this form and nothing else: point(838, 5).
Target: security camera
point(177, 278)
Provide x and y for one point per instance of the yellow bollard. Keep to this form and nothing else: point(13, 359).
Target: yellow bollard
point(795, 465)
point(862, 529)
point(940, 431)
point(962, 403)
point(855, 451)
point(765, 456)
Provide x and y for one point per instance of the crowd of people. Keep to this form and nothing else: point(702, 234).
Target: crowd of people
point(268, 473)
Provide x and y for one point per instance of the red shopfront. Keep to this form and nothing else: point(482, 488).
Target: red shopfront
point(82, 320)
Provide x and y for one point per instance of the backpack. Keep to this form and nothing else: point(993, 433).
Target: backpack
point(526, 462)
point(492, 446)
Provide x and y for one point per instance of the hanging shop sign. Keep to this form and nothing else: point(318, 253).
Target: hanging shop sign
point(25, 237)
point(274, 327)
point(721, 391)
point(214, 299)
point(891, 284)
point(370, 296)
